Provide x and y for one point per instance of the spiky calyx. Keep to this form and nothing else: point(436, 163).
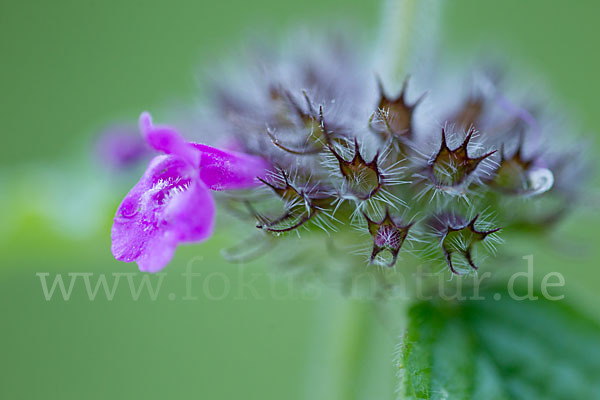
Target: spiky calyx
point(459, 238)
point(389, 235)
point(363, 179)
point(395, 114)
point(451, 168)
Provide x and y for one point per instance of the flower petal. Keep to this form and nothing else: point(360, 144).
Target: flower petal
point(166, 139)
point(121, 146)
point(167, 206)
point(159, 251)
point(129, 233)
point(223, 170)
point(191, 214)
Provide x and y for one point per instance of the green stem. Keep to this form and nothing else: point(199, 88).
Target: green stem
point(352, 354)
point(408, 32)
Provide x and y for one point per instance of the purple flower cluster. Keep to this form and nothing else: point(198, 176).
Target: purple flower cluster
point(391, 176)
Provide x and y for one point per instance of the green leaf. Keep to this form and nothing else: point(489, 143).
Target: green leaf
point(499, 349)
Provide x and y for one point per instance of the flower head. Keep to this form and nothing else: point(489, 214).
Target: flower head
point(346, 155)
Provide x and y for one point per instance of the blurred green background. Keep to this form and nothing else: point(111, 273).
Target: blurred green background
point(67, 68)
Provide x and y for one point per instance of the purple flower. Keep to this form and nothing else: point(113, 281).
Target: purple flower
point(172, 202)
